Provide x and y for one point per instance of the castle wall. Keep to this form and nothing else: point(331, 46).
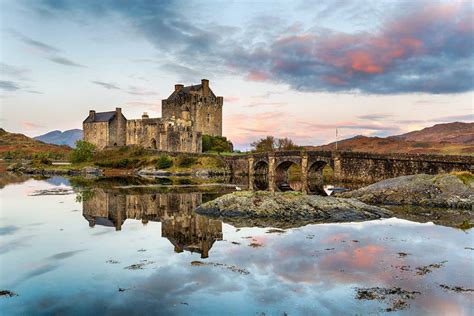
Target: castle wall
point(97, 134)
point(206, 112)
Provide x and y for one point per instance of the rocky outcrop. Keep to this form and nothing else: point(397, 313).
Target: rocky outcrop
point(444, 190)
point(290, 206)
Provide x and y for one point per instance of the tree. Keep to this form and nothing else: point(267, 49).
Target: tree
point(84, 151)
point(286, 144)
point(216, 143)
point(264, 144)
point(271, 143)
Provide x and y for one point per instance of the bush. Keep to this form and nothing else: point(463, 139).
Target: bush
point(186, 161)
point(164, 162)
point(184, 181)
point(123, 163)
point(41, 159)
point(83, 152)
point(216, 143)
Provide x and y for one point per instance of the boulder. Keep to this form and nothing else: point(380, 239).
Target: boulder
point(443, 190)
point(290, 206)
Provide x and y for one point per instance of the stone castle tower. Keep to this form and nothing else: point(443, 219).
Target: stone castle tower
point(197, 103)
point(187, 114)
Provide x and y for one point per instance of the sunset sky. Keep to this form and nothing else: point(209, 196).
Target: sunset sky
point(295, 69)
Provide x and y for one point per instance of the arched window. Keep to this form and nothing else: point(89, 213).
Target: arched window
point(208, 118)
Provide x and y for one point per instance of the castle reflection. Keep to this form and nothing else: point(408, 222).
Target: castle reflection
point(180, 225)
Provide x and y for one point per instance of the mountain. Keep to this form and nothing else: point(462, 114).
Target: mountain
point(14, 145)
point(457, 133)
point(451, 138)
point(68, 137)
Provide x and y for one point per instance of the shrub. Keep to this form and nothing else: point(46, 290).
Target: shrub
point(186, 161)
point(164, 162)
point(42, 159)
point(216, 143)
point(184, 181)
point(83, 152)
point(123, 163)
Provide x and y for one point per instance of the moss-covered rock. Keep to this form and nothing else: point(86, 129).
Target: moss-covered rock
point(443, 190)
point(290, 206)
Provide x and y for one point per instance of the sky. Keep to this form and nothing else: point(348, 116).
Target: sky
point(297, 69)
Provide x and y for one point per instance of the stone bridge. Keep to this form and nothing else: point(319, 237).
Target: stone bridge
point(271, 170)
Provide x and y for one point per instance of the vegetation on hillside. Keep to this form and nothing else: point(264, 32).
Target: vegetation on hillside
point(18, 146)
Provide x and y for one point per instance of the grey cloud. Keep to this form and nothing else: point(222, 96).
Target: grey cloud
point(107, 85)
point(9, 85)
point(415, 49)
point(35, 43)
point(64, 61)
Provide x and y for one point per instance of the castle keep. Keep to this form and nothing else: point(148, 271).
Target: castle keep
point(187, 114)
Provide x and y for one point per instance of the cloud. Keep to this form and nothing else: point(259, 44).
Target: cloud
point(107, 85)
point(374, 117)
point(422, 46)
point(9, 85)
point(452, 118)
point(14, 71)
point(64, 61)
point(31, 125)
point(43, 47)
point(50, 52)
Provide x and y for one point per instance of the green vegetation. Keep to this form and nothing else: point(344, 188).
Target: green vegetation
point(270, 143)
point(41, 159)
point(83, 152)
point(185, 161)
point(164, 162)
point(465, 176)
point(216, 144)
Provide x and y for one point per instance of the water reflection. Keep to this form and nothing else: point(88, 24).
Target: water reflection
point(180, 225)
point(59, 266)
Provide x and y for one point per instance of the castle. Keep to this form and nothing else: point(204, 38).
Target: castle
point(187, 114)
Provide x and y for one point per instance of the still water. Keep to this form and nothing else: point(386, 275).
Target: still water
point(110, 251)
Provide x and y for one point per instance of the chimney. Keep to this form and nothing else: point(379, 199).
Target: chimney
point(118, 111)
point(145, 115)
point(178, 87)
point(92, 114)
point(205, 87)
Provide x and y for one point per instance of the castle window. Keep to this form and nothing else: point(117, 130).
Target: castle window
point(208, 118)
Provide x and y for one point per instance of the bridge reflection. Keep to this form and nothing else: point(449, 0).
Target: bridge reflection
point(186, 230)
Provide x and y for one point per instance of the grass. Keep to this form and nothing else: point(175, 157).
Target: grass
point(465, 176)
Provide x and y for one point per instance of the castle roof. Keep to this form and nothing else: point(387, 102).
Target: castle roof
point(101, 117)
point(187, 90)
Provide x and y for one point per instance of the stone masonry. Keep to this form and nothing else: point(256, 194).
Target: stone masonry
point(188, 113)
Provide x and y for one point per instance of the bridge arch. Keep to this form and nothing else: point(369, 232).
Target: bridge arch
point(288, 176)
point(261, 171)
point(316, 177)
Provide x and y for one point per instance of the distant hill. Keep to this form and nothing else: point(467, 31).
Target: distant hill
point(20, 146)
point(68, 137)
point(456, 133)
point(450, 138)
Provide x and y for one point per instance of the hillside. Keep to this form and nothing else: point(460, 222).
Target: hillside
point(452, 138)
point(20, 146)
point(456, 133)
point(68, 137)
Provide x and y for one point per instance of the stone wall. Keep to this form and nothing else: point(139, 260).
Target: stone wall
point(205, 112)
point(347, 166)
point(97, 134)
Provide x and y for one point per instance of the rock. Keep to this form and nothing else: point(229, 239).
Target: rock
point(290, 206)
point(153, 172)
point(91, 170)
point(444, 190)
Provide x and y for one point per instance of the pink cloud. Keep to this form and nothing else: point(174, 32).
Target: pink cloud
point(30, 125)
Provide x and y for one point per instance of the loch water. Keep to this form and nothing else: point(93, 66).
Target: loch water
point(117, 250)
